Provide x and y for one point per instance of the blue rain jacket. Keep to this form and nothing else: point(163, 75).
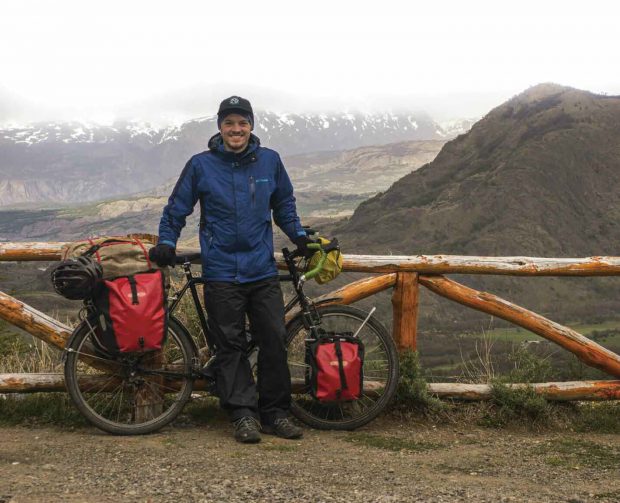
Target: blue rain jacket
point(237, 194)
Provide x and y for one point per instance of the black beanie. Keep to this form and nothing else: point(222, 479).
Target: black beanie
point(235, 104)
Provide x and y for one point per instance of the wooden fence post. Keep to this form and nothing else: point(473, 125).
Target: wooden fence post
point(405, 310)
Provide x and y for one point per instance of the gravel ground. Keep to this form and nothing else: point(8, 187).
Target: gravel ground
point(383, 462)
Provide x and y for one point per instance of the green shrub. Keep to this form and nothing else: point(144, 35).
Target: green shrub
point(412, 391)
point(527, 367)
point(516, 405)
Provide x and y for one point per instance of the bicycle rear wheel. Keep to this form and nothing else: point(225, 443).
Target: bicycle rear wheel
point(380, 370)
point(130, 394)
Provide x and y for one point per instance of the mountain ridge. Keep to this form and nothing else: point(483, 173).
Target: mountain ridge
point(537, 176)
point(547, 136)
point(75, 162)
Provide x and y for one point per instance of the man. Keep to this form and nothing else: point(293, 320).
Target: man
point(239, 184)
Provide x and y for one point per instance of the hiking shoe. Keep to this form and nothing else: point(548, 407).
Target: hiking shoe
point(247, 430)
point(283, 428)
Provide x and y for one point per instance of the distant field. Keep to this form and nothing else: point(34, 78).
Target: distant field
point(517, 334)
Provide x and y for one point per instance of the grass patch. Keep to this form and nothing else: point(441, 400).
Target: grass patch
point(597, 417)
point(10, 342)
point(577, 453)
point(391, 443)
point(40, 409)
point(17, 356)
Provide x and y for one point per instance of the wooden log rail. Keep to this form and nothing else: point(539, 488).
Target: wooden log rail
point(422, 264)
point(557, 391)
point(34, 322)
point(405, 274)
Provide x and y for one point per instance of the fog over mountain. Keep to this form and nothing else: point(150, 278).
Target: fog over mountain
point(175, 106)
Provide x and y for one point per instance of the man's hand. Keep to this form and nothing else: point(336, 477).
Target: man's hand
point(163, 255)
point(302, 246)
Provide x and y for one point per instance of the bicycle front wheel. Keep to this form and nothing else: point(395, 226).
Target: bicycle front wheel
point(130, 394)
point(380, 370)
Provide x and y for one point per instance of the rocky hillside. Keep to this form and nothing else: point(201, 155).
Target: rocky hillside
point(539, 176)
point(365, 170)
point(74, 162)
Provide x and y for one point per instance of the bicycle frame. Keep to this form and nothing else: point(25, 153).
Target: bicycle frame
point(310, 318)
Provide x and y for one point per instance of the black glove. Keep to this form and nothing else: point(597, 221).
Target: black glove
point(163, 255)
point(302, 246)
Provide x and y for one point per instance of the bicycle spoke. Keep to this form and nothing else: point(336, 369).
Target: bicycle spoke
point(95, 357)
point(380, 370)
point(118, 415)
point(120, 396)
point(161, 386)
point(298, 364)
point(103, 387)
point(111, 400)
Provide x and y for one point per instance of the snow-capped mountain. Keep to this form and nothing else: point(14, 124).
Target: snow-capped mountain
point(77, 162)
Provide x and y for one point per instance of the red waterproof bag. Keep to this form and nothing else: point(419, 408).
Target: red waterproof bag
point(335, 367)
point(133, 312)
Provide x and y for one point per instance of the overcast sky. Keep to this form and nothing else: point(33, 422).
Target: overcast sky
point(101, 60)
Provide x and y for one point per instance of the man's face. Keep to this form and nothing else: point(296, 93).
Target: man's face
point(235, 130)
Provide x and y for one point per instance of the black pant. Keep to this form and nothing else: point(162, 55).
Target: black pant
point(227, 305)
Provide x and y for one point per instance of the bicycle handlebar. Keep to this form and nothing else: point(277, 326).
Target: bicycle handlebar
point(187, 257)
point(323, 250)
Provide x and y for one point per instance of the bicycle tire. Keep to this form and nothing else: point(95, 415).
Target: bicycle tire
point(380, 366)
point(113, 399)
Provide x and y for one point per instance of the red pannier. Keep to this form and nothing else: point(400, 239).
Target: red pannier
point(131, 301)
point(335, 371)
point(133, 312)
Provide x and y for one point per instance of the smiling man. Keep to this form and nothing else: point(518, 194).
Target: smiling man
point(240, 184)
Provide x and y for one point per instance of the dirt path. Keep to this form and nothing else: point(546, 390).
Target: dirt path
point(385, 462)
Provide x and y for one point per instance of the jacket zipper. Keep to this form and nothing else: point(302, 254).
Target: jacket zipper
point(234, 165)
point(253, 191)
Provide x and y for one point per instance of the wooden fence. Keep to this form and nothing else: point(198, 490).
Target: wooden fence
point(404, 274)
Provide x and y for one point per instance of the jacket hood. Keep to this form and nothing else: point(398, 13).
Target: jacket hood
point(216, 144)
